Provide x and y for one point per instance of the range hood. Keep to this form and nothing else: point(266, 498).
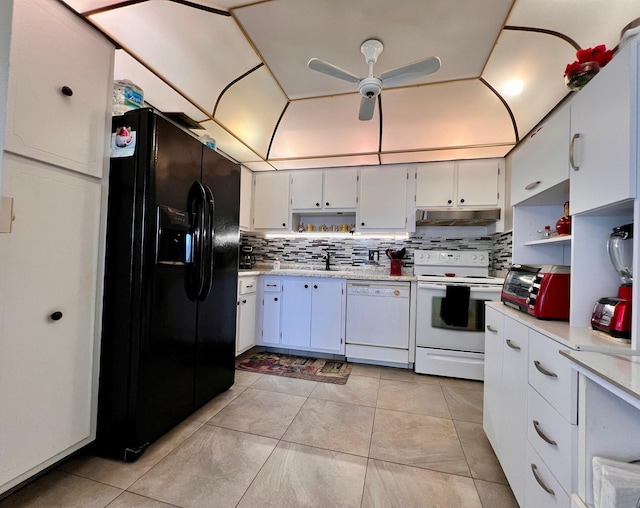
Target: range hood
point(457, 217)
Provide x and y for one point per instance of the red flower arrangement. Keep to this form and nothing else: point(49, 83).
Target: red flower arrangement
point(587, 65)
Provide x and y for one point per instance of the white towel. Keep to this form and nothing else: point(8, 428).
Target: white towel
point(616, 484)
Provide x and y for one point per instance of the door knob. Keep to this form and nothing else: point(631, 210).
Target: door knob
point(56, 316)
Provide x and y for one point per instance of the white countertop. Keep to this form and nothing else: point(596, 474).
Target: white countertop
point(622, 370)
point(380, 273)
point(573, 337)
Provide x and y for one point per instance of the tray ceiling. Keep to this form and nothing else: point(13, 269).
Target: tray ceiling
point(243, 76)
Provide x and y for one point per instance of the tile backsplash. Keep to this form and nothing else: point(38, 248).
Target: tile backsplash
point(354, 251)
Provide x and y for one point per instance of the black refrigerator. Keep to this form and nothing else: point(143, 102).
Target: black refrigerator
point(171, 273)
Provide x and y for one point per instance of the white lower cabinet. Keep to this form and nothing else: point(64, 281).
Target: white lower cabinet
point(505, 401)
point(246, 317)
point(49, 271)
point(270, 291)
point(313, 314)
point(541, 487)
point(530, 407)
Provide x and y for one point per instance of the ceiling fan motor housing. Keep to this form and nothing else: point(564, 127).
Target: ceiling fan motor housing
point(370, 87)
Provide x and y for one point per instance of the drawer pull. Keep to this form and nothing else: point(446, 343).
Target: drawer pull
point(543, 436)
point(544, 371)
point(534, 470)
point(532, 185)
point(492, 329)
point(249, 286)
point(512, 345)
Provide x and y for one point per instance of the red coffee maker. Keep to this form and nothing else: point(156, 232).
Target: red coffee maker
point(613, 314)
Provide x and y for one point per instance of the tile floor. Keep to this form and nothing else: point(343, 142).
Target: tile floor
point(388, 438)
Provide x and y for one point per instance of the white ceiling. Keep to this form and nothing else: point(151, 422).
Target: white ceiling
point(244, 78)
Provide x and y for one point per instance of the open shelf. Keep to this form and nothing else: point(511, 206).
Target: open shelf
point(560, 239)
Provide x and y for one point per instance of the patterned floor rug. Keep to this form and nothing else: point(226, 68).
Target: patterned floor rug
point(312, 369)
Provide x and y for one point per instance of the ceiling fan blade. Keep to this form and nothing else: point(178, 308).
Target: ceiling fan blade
point(315, 64)
point(367, 105)
point(410, 71)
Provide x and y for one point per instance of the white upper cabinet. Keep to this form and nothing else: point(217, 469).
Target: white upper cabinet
point(471, 183)
point(341, 189)
point(60, 88)
point(306, 190)
point(478, 183)
point(271, 201)
point(246, 194)
point(324, 190)
point(541, 161)
point(435, 184)
point(383, 198)
point(604, 134)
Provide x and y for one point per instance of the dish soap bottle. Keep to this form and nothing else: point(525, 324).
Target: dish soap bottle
point(276, 264)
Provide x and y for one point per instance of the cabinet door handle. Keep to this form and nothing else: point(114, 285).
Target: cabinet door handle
point(56, 316)
point(544, 371)
point(315, 286)
point(572, 159)
point(543, 436)
point(362, 223)
point(326, 204)
point(306, 286)
point(448, 201)
point(532, 185)
point(534, 470)
point(462, 200)
point(492, 329)
point(317, 204)
point(244, 301)
point(512, 345)
point(65, 90)
point(275, 299)
point(284, 225)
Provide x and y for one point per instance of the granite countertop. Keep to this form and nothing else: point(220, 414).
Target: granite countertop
point(621, 370)
point(367, 272)
point(573, 337)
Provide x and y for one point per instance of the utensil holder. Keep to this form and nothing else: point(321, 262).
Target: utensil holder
point(396, 267)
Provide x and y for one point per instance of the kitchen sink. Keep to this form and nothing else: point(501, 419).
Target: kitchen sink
point(310, 272)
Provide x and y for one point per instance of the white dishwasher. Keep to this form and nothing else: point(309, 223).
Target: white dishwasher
point(378, 321)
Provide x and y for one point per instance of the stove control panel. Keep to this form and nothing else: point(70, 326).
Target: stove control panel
point(451, 258)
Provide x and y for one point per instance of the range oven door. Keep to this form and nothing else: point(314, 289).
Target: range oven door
point(467, 334)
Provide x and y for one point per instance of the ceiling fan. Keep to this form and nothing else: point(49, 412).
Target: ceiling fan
point(371, 86)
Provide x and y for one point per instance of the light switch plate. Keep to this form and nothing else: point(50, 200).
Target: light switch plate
point(6, 214)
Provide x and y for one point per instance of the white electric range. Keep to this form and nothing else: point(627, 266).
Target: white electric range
point(452, 289)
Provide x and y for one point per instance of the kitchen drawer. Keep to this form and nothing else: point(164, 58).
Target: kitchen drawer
point(541, 487)
point(545, 424)
point(271, 284)
point(247, 285)
point(552, 376)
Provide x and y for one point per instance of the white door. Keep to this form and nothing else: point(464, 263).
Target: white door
point(604, 136)
point(341, 188)
point(271, 306)
point(59, 88)
point(478, 183)
point(435, 184)
point(246, 193)
point(296, 311)
point(383, 198)
point(48, 281)
point(246, 334)
point(306, 190)
point(271, 200)
point(326, 315)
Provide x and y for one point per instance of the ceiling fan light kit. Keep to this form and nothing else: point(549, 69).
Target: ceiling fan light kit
point(371, 86)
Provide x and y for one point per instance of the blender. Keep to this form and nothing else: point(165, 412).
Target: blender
point(613, 314)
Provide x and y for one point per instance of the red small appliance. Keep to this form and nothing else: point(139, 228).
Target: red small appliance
point(612, 315)
point(549, 295)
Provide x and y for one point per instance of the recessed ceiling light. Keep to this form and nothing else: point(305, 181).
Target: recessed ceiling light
point(513, 87)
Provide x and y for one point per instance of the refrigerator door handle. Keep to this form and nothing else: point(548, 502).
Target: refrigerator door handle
point(208, 235)
point(196, 203)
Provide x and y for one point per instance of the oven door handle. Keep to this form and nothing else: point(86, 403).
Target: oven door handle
point(475, 289)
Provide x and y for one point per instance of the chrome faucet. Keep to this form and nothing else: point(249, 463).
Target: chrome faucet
point(327, 257)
